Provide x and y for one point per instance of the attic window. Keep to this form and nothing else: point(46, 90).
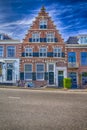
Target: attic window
point(43, 24)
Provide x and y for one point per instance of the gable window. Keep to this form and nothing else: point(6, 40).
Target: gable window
point(57, 52)
point(50, 37)
point(28, 52)
point(28, 71)
point(43, 24)
point(84, 58)
point(72, 57)
point(10, 51)
point(43, 52)
point(1, 51)
point(36, 37)
point(40, 71)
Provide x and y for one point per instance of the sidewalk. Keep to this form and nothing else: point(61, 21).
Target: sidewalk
point(45, 89)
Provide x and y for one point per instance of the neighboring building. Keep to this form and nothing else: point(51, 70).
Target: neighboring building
point(9, 60)
point(43, 53)
point(77, 61)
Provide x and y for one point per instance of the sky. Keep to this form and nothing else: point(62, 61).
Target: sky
point(69, 16)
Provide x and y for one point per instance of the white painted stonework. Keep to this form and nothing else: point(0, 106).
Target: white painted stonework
point(15, 70)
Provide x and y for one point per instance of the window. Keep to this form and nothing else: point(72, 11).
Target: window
point(57, 52)
point(83, 58)
point(50, 37)
point(28, 71)
point(51, 68)
point(83, 40)
point(40, 71)
point(72, 57)
point(43, 24)
point(36, 37)
point(28, 52)
point(1, 51)
point(10, 51)
point(1, 37)
point(43, 52)
point(84, 78)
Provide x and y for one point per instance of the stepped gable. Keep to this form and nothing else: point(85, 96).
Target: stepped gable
point(42, 15)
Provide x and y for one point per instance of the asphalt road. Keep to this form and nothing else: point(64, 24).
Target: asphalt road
point(42, 110)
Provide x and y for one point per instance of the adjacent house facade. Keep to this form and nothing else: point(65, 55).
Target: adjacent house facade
point(9, 60)
point(76, 49)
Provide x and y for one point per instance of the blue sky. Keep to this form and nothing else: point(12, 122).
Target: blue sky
point(16, 16)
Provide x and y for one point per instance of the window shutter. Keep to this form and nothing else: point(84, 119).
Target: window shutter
point(21, 75)
point(49, 54)
point(56, 40)
point(41, 39)
point(35, 54)
point(33, 76)
point(45, 40)
point(63, 54)
point(30, 39)
point(23, 54)
point(46, 76)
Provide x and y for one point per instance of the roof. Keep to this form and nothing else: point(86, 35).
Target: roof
point(72, 40)
point(4, 37)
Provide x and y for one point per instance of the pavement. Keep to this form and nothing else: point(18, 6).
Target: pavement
point(27, 109)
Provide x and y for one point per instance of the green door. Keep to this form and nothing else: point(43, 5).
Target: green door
point(60, 79)
point(51, 78)
point(9, 74)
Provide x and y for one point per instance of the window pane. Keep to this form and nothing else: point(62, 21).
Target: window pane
point(28, 75)
point(11, 51)
point(83, 58)
point(28, 67)
point(1, 51)
point(40, 75)
point(71, 57)
point(40, 67)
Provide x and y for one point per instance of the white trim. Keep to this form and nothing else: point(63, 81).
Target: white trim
point(64, 69)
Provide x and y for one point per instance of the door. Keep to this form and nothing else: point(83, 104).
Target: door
point(51, 78)
point(51, 73)
point(9, 74)
point(60, 79)
point(9, 71)
point(73, 76)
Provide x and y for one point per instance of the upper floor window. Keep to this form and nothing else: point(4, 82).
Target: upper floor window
point(43, 52)
point(83, 40)
point(50, 37)
point(72, 57)
point(28, 52)
point(1, 51)
point(28, 71)
point(40, 71)
point(43, 24)
point(57, 52)
point(36, 37)
point(83, 58)
point(10, 51)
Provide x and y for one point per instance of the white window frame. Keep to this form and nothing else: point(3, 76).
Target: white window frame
point(14, 51)
point(36, 37)
point(43, 52)
point(38, 72)
point(57, 53)
point(2, 51)
point(29, 50)
point(28, 71)
point(50, 37)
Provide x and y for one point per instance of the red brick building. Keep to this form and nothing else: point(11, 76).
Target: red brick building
point(76, 49)
point(43, 53)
